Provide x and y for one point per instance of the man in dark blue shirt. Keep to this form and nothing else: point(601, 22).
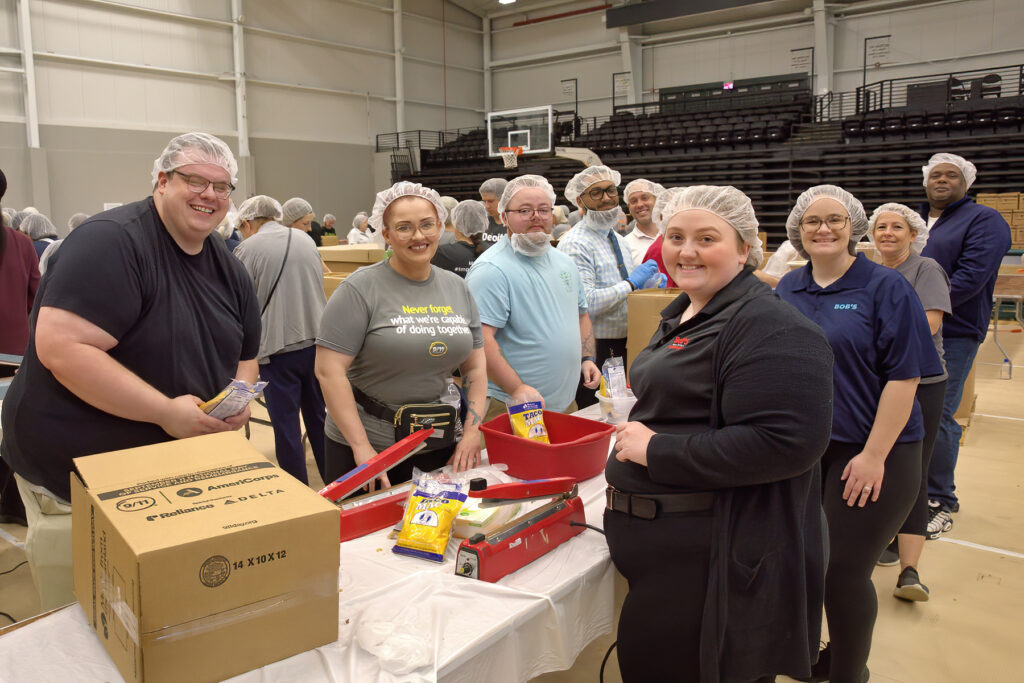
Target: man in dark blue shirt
point(968, 241)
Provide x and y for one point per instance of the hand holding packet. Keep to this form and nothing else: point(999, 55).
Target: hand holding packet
point(233, 399)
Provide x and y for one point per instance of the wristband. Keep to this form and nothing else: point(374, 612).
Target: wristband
point(590, 358)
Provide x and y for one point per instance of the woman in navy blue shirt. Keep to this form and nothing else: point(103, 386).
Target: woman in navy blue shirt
point(871, 470)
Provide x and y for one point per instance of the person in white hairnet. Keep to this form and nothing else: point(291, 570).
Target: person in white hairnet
point(605, 263)
point(713, 455)
point(969, 241)
point(899, 234)
point(44, 258)
point(871, 470)
point(285, 268)
point(76, 220)
point(448, 236)
point(328, 225)
point(468, 220)
point(40, 230)
point(531, 297)
point(640, 195)
point(392, 335)
point(360, 232)
point(124, 354)
point(490, 192)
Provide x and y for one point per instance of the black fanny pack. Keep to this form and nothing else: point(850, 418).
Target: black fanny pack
point(412, 417)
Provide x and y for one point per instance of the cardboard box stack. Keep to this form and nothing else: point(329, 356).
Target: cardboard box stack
point(645, 308)
point(331, 283)
point(1011, 206)
point(196, 560)
point(346, 258)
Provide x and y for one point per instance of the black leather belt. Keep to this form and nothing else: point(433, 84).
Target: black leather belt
point(650, 505)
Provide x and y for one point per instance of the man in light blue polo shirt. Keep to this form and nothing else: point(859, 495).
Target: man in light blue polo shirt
point(532, 307)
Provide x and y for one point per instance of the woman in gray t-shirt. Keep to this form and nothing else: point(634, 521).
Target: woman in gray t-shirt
point(396, 330)
point(899, 234)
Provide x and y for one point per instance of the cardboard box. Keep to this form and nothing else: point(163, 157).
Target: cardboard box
point(1007, 216)
point(345, 258)
point(1017, 219)
point(987, 199)
point(966, 407)
point(1007, 201)
point(331, 283)
point(645, 306)
point(329, 240)
point(1020, 201)
point(196, 560)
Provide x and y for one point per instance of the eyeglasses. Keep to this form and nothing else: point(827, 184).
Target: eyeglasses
point(814, 223)
point(198, 185)
point(543, 212)
point(406, 231)
point(596, 193)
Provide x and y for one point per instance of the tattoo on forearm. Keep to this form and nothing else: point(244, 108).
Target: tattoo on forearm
point(589, 346)
point(473, 417)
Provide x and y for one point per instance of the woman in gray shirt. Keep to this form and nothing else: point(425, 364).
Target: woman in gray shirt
point(395, 331)
point(899, 234)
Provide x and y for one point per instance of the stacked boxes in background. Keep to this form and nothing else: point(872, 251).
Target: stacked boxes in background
point(1011, 206)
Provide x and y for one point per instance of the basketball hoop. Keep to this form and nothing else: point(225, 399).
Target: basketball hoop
point(510, 156)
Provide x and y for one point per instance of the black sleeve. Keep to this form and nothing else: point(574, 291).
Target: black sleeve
point(776, 399)
point(251, 325)
point(100, 277)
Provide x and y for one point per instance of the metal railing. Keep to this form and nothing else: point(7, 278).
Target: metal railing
point(422, 139)
point(934, 92)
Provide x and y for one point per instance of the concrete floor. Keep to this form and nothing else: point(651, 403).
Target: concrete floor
point(970, 629)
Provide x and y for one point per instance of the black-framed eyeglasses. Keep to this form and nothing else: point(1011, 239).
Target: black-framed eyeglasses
point(813, 223)
point(595, 193)
point(198, 185)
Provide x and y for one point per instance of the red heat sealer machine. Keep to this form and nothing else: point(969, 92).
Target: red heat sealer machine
point(376, 510)
point(522, 540)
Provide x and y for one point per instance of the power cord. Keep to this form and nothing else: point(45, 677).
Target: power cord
point(14, 567)
point(589, 526)
point(5, 614)
point(605, 660)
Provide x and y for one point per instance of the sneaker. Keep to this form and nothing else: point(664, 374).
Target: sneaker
point(820, 669)
point(956, 507)
point(890, 557)
point(939, 521)
point(909, 587)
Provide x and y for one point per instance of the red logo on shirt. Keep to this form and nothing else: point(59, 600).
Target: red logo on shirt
point(679, 342)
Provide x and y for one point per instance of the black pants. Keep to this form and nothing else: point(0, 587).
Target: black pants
point(856, 537)
point(665, 561)
point(930, 396)
point(605, 349)
point(294, 388)
point(339, 459)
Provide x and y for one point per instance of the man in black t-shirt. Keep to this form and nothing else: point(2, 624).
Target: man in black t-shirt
point(142, 316)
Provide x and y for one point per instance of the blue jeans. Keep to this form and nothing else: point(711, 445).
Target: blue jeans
point(293, 389)
point(959, 353)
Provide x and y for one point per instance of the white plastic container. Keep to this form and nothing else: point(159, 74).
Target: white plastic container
point(615, 410)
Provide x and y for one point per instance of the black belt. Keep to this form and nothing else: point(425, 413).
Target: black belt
point(650, 505)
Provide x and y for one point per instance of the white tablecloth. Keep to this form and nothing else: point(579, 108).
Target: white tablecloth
point(530, 622)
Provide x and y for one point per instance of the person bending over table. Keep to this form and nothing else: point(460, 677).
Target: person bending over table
point(392, 334)
point(871, 471)
point(713, 511)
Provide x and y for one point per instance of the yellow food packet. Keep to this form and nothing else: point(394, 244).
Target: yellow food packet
point(430, 513)
point(528, 421)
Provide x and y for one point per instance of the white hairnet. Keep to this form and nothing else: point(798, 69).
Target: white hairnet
point(359, 219)
point(858, 219)
point(573, 218)
point(30, 209)
point(294, 209)
point(969, 170)
point(449, 203)
point(329, 217)
point(470, 217)
point(76, 220)
point(913, 219)
point(229, 223)
point(587, 177)
point(642, 185)
point(37, 226)
point(261, 206)
point(195, 148)
point(558, 213)
point(404, 189)
point(725, 201)
point(524, 182)
point(18, 218)
point(493, 186)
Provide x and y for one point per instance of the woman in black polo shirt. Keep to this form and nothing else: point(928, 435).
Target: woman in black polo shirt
point(713, 505)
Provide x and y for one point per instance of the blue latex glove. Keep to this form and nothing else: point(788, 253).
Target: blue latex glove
point(642, 273)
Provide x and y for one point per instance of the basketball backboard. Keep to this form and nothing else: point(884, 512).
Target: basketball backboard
point(530, 128)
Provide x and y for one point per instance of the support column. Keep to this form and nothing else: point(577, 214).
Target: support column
point(399, 69)
point(246, 167)
point(29, 66)
point(488, 84)
point(824, 40)
point(632, 61)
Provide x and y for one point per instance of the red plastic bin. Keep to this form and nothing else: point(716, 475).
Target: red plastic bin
point(578, 448)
